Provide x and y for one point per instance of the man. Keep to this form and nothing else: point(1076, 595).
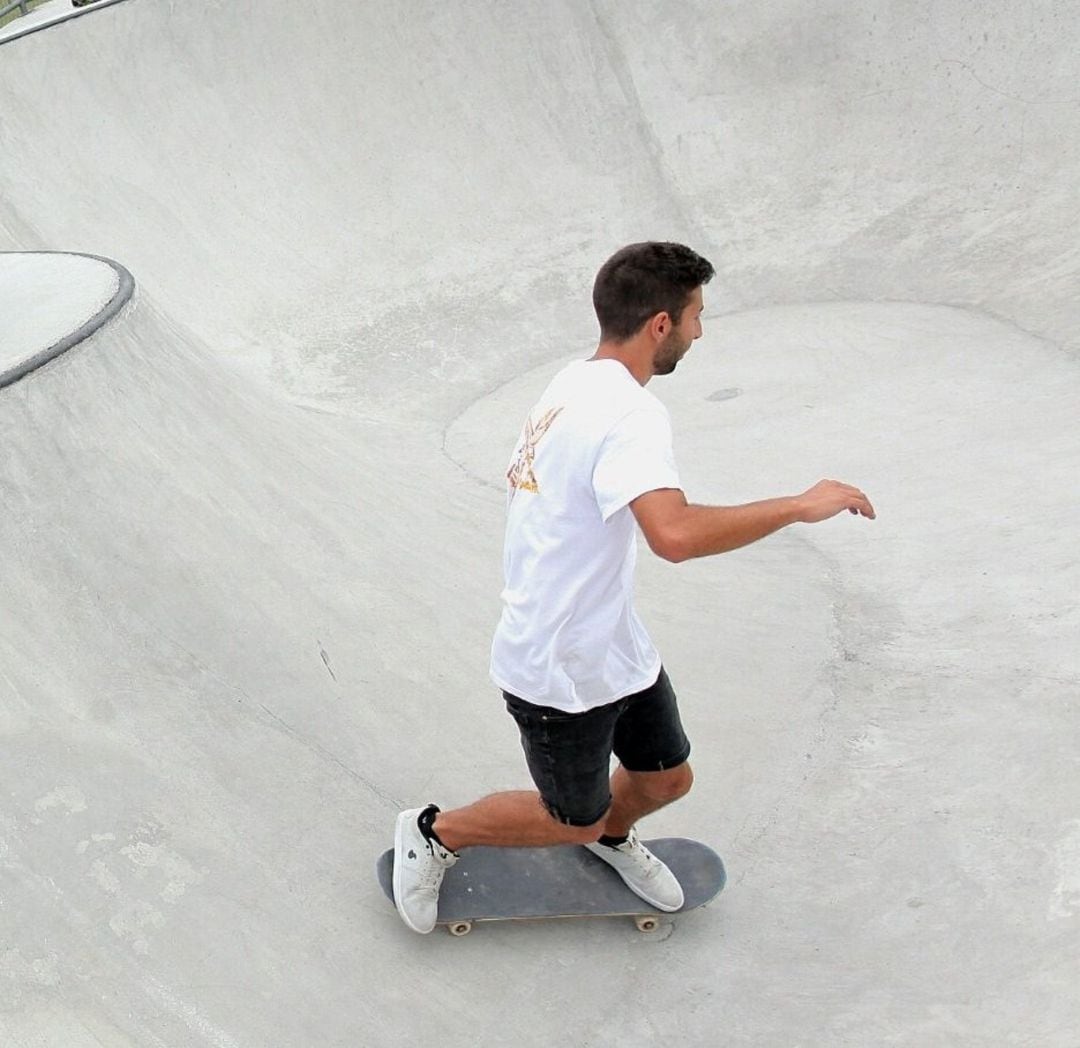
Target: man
point(575, 664)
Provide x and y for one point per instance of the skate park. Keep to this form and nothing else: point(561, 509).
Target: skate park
point(278, 284)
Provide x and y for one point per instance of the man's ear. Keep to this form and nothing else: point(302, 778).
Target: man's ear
point(660, 325)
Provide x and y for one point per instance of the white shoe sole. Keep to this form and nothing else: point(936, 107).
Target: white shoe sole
point(653, 902)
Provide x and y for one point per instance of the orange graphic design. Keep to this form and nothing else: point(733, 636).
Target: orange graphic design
point(520, 474)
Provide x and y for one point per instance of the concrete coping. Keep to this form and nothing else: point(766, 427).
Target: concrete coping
point(45, 15)
point(51, 301)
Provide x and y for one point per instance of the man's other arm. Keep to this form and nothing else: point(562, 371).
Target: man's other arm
point(677, 530)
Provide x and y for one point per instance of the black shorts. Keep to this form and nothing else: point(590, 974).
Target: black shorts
point(569, 754)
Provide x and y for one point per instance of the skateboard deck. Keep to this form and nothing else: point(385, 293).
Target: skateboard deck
point(517, 884)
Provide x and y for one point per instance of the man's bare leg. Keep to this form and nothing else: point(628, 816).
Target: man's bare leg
point(636, 794)
point(517, 819)
point(514, 819)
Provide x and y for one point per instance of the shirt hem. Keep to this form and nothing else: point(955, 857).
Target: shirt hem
point(649, 678)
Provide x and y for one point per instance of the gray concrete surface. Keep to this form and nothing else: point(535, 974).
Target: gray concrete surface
point(251, 528)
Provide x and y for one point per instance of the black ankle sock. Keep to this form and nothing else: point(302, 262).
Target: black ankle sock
point(613, 842)
point(426, 821)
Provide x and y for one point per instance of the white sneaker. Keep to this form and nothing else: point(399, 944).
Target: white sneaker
point(420, 862)
point(643, 872)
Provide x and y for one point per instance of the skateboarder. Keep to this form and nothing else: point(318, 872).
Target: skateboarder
point(576, 667)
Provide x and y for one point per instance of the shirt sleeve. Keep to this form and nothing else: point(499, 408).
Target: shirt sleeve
point(635, 457)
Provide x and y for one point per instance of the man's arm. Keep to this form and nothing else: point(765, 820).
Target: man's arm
point(677, 531)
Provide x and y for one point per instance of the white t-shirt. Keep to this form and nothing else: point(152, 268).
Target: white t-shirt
point(568, 636)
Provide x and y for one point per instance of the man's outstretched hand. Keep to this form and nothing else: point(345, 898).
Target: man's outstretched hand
point(829, 497)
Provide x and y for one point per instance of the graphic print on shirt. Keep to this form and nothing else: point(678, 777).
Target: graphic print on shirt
point(520, 474)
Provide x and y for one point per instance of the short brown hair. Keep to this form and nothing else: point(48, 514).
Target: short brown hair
point(641, 280)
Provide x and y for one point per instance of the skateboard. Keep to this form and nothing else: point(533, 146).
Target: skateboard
point(518, 884)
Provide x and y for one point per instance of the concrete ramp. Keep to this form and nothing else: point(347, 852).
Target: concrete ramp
point(251, 525)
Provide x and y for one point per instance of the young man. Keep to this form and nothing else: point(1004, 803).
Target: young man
point(575, 664)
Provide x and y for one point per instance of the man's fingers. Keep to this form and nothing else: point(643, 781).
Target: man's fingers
point(829, 497)
point(857, 502)
point(863, 506)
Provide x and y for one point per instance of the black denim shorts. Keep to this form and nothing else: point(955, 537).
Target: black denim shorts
point(569, 754)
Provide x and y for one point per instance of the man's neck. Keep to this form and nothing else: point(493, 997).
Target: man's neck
point(633, 355)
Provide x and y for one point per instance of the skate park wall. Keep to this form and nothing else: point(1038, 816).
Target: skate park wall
point(369, 168)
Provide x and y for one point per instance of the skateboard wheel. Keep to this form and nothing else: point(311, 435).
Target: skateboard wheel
point(646, 924)
point(459, 927)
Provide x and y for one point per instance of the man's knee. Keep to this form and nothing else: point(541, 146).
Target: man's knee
point(679, 781)
point(667, 785)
